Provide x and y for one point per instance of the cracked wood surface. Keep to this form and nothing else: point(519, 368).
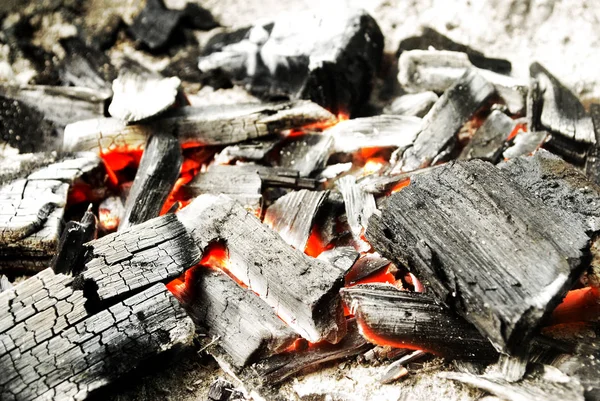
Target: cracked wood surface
point(303, 291)
point(484, 245)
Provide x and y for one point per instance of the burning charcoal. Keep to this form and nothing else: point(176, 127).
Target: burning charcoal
point(271, 268)
point(456, 106)
point(292, 215)
point(333, 171)
point(469, 214)
point(109, 213)
point(489, 139)
point(385, 184)
point(333, 64)
point(403, 319)
point(592, 165)
point(155, 24)
point(558, 184)
point(5, 284)
point(281, 177)
point(543, 383)
point(561, 112)
point(246, 151)
point(306, 153)
point(374, 132)
point(360, 206)
point(415, 105)
point(342, 257)
point(525, 143)
point(246, 327)
point(140, 94)
point(44, 323)
point(154, 180)
point(70, 253)
point(222, 390)
point(365, 266)
point(144, 254)
point(245, 186)
point(86, 67)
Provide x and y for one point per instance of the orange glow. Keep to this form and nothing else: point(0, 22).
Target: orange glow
point(373, 165)
point(299, 345)
point(342, 116)
point(107, 219)
point(521, 127)
point(315, 244)
point(119, 158)
point(582, 305)
point(382, 275)
point(378, 339)
point(189, 169)
point(80, 193)
point(400, 185)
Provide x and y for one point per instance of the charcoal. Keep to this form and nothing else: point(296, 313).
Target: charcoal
point(431, 38)
point(281, 177)
point(543, 383)
point(305, 153)
point(42, 61)
point(86, 67)
point(253, 150)
point(454, 108)
point(583, 366)
point(333, 171)
point(360, 206)
point(52, 347)
point(292, 215)
point(488, 141)
point(365, 266)
point(342, 257)
point(142, 255)
point(198, 17)
point(155, 24)
point(333, 65)
point(222, 390)
point(509, 368)
point(403, 319)
point(246, 327)
point(138, 94)
point(260, 259)
point(527, 253)
point(561, 112)
point(102, 135)
point(5, 284)
point(70, 254)
point(374, 132)
point(15, 166)
point(415, 105)
point(385, 184)
point(573, 152)
point(110, 211)
point(525, 143)
point(154, 180)
point(592, 164)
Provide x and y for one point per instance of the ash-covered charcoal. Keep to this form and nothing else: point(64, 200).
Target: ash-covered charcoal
point(592, 163)
point(561, 112)
point(342, 257)
point(222, 390)
point(292, 215)
point(281, 177)
point(86, 67)
point(5, 283)
point(278, 273)
point(154, 180)
point(330, 59)
point(70, 254)
point(243, 185)
point(253, 151)
point(245, 327)
point(404, 319)
point(139, 94)
point(412, 104)
point(365, 266)
point(466, 214)
point(558, 184)
point(359, 205)
point(44, 324)
point(582, 365)
point(155, 24)
point(488, 141)
point(386, 184)
point(454, 108)
point(542, 383)
point(151, 252)
point(525, 143)
point(429, 38)
point(571, 151)
point(305, 153)
point(101, 135)
point(383, 131)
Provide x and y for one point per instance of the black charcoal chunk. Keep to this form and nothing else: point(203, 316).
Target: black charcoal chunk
point(155, 24)
point(488, 141)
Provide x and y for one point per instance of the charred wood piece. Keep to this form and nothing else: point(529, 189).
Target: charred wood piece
point(592, 164)
point(292, 215)
point(305, 153)
point(155, 24)
point(333, 65)
point(222, 390)
point(86, 67)
point(415, 105)
point(469, 214)
point(253, 151)
point(197, 17)
point(571, 151)
point(365, 266)
point(281, 177)
point(561, 112)
point(70, 255)
point(404, 319)
point(454, 108)
point(384, 184)
point(13, 167)
point(525, 143)
point(360, 206)
point(154, 180)
point(271, 268)
point(342, 257)
point(488, 141)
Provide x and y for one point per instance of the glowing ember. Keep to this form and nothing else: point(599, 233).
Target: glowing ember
point(380, 276)
point(521, 127)
point(582, 305)
point(118, 159)
point(382, 340)
point(400, 185)
point(373, 165)
point(315, 244)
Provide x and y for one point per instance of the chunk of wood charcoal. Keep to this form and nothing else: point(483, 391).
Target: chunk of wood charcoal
point(246, 327)
point(342, 257)
point(351, 136)
point(155, 24)
point(155, 251)
point(222, 390)
point(82, 356)
point(198, 17)
point(454, 108)
point(429, 38)
point(558, 184)
point(359, 205)
point(412, 104)
point(86, 67)
point(139, 94)
point(489, 139)
point(592, 163)
point(302, 290)
point(154, 180)
point(69, 256)
point(561, 111)
point(245, 186)
point(305, 153)
point(543, 383)
point(292, 215)
point(210, 125)
point(365, 266)
point(470, 214)
point(385, 184)
point(333, 64)
point(525, 143)
point(253, 150)
point(571, 151)
point(279, 177)
point(404, 319)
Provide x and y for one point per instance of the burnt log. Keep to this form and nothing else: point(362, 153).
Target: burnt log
point(415, 105)
point(489, 139)
point(454, 108)
point(154, 179)
point(469, 214)
point(302, 290)
point(70, 254)
point(404, 319)
point(592, 163)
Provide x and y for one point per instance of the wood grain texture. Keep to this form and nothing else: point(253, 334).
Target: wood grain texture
point(489, 139)
point(360, 206)
point(305, 153)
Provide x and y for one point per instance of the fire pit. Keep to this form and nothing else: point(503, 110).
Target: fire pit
point(312, 205)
